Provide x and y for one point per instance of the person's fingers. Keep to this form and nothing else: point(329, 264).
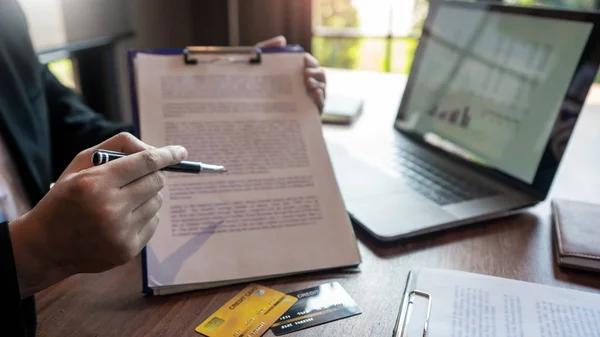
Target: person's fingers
point(316, 73)
point(123, 142)
point(319, 98)
point(127, 169)
point(310, 61)
point(317, 88)
point(274, 42)
point(145, 233)
point(145, 212)
point(312, 84)
point(141, 190)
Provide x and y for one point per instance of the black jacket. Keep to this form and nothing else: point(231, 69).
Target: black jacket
point(44, 125)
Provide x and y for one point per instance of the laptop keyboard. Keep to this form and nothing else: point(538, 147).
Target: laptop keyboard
point(436, 185)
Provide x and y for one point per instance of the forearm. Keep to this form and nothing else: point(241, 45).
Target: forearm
point(18, 316)
point(35, 272)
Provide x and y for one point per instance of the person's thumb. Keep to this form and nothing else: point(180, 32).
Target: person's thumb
point(123, 142)
point(274, 42)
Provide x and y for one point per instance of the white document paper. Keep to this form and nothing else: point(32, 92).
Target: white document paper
point(278, 209)
point(473, 305)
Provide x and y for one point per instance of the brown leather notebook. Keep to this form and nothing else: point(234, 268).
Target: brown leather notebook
point(577, 234)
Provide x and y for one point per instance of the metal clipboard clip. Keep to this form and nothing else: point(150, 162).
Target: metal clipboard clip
point(249, 55)
point(406, 309)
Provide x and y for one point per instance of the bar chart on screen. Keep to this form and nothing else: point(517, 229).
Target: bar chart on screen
point(463, 119)
point(486, 92)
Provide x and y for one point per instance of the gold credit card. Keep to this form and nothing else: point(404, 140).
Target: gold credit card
point(249, 314)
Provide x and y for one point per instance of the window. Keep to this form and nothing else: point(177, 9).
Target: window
point(365, 34)
point(63, 70)
point(382, 35)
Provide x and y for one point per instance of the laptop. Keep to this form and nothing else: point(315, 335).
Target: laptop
point(489, 106)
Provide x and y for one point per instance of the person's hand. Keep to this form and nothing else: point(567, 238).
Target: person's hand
point(316, 81)
point(95, 217)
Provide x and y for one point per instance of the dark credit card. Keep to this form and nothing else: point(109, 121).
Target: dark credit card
point(315, 306)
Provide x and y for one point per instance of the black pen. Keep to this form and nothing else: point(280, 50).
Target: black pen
point(100, 157)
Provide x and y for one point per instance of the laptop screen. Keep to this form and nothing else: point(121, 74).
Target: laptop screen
point(489, 84)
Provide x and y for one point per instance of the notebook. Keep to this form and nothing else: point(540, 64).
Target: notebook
point(576, 234)
point(442, 303)
point(278, 210)
point(343, 110)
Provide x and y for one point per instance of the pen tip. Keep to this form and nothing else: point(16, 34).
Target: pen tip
point(213, 168)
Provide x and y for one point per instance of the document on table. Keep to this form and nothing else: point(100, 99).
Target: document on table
point(278, 209)
point(473, 305)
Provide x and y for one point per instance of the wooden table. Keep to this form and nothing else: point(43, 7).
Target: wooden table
point(519, 247)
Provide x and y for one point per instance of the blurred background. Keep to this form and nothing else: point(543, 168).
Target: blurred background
point(85, 42)
point(382, 35)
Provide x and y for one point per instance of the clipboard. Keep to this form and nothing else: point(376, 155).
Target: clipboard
point(478, 304)
point(249, 55)
point(408, 301)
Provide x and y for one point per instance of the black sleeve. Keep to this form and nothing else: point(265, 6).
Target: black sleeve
point(18, 316)
point(74, 126)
